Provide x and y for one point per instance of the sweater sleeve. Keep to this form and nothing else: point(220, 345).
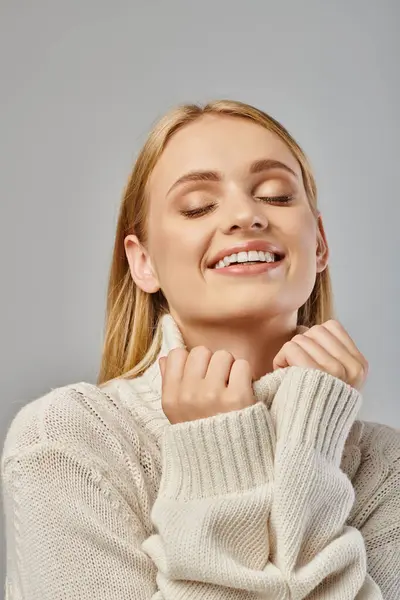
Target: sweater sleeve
point(229, 519)
point(211, 511)
point(69, 533)
point(377, 513)
point(72, 534)
point(317, 553)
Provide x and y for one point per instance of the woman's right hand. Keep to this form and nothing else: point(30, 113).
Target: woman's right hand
point(200, 384)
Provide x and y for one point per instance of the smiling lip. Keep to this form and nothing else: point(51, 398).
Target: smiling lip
point(246, 247)
point(246, 269)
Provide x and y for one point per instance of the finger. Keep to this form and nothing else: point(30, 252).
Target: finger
point(324, 360)
point(356, 365)
point(331, 343)
point(292, 354)
point(240, 378)
point(174, 366)
point(219, 368)
point(341, 334)
point(196, 364)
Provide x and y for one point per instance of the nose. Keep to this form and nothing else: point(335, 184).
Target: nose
point(243, 212)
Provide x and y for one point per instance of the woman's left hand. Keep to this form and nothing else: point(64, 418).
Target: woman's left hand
point(327, 347)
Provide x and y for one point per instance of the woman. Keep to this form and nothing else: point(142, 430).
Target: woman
point(234, 467)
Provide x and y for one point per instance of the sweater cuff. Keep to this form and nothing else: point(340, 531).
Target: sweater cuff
point(315, 409)
point(226, 453)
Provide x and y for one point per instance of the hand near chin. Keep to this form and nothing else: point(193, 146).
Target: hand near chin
point(200, 384)
point(327, 347)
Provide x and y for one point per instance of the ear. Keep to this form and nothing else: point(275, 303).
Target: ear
point(140, 266)
point(322, 249)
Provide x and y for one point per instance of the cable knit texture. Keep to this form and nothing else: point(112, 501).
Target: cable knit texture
point(291, 498)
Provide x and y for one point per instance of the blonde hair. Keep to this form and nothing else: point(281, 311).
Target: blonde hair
point(132, 326)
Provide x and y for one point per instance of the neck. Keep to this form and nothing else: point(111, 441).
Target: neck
point(249, 339)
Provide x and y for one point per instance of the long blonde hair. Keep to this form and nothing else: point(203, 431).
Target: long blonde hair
point(132, 326)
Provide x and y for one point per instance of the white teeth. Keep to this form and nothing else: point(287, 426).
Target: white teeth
point(253, 255)
point(241, 257)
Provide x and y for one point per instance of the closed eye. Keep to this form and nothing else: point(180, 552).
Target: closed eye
point(196, 212)
point(279, 199)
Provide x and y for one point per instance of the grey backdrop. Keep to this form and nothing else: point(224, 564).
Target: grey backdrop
point(81, 83)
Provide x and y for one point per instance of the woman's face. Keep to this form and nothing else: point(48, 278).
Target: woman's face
point(181, 244)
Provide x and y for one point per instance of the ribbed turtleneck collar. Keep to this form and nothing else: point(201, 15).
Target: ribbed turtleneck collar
point(154, 419)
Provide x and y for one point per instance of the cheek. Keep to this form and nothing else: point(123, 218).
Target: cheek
point(188, 239)
point(301, 232)
point(301, 236)
point(178, 245)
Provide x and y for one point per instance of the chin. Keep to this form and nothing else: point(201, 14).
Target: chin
point(249, 312)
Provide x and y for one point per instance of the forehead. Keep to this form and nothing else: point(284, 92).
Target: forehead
point(221, 143)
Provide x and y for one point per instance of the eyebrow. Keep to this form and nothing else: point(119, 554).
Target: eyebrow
point(257, 166)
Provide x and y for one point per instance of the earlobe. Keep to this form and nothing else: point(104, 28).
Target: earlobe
point(140, 265)
point(322, 256)
point(321, 264)
point(322, 250)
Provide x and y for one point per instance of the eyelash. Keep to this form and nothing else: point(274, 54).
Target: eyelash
point(267, 199)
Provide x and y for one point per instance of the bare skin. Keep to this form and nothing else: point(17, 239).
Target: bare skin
point(250, 317)
point(236, 328)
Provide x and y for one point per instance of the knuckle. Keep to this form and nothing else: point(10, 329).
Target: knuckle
point(242, 362)
point(338, 370)
point(316, 331)
point(175, 352)
point(186, 397)
point(362, 371)
point(223, 353)
point(299, 336)
point(333, 323)
point(200, 350)
point(211, 396)
point(283, 351)
point(166, 403)
point(359, 370)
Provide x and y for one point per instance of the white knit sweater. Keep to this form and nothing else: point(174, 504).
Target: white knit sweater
point(290, 498)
